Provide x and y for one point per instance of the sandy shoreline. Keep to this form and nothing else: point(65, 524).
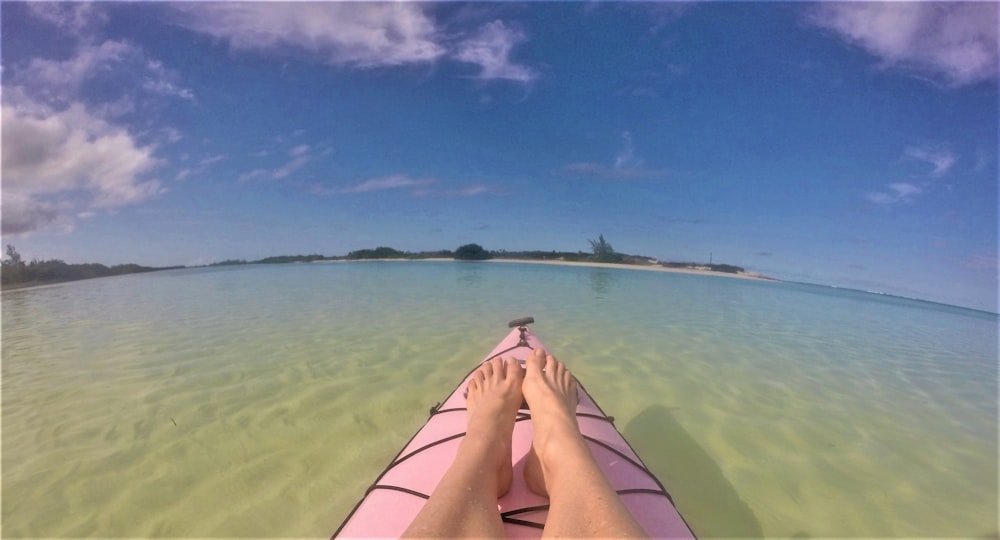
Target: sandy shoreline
point(648, 268)
point(651, 268)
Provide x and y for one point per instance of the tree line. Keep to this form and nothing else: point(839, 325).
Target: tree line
point(17, 272)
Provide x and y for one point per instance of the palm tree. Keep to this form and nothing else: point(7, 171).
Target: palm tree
point(603, 252)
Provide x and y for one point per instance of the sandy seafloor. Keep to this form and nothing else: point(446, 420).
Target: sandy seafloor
point(262, 400)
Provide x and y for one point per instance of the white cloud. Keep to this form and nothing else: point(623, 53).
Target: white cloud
point(172, 135)
point(956, 41)
point(203, 165)
point(59, 82)
point(255, 174)
point(941, 160)
point(490, 49)
point(78, 18)
point(395, 181)
point(121, 64)
point(382, 183)
point(56, 163)
point(419, 187)
point(66, 153)
point(660, 14)
point(626, 154)
point(899, 192)
point(124, 106)
point(627, 165)
point(473, 190)
point(364, 35)
point(160, 80)
point(22, 214)
point(289, 168)
point(210, 160)
point(357, 34)
point(300, 156)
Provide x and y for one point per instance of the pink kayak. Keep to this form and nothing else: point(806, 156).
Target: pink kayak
point(399, 493)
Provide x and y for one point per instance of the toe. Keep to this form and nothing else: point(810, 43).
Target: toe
point(477, 380)
point(536, 362)
point(555, 366)
point(512, 369)
point(485, 370)
point(496, 367)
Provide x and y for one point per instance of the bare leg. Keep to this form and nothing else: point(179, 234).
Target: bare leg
point(464, 504)
point(582, 502)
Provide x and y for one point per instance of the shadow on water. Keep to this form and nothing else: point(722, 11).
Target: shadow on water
point(708, 502)
point(470, 274)
point(601, 280)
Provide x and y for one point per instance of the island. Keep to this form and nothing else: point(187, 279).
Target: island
point(16, 273)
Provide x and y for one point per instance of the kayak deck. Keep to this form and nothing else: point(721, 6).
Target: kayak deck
point(400, 492)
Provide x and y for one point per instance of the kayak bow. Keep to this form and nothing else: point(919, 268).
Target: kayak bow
point(399, 493)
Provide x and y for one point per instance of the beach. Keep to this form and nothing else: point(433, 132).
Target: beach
point(649, 267)
point(652, 267)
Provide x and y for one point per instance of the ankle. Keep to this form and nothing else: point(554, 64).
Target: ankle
point(564, 462)
point(554, 446)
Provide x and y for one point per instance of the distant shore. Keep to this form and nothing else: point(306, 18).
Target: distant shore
point(646, 267)
point(19, 275)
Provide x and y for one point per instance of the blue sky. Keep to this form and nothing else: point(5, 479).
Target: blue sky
point(844, 144)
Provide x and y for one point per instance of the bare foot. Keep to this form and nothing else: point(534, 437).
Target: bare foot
point(582, 502)
point(494, 395)
point(551, 393)
point(463, 505)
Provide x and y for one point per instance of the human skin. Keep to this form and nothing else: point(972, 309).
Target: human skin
point(560, 465)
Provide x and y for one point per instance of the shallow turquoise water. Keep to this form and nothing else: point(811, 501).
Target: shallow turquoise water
point(262, 400)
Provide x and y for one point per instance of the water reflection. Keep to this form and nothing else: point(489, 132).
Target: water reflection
point(469, 273)
point(601, 281)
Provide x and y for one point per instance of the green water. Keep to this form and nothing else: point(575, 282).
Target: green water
point(262, 400)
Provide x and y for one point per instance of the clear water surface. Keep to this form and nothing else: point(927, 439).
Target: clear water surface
point(263, 400)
